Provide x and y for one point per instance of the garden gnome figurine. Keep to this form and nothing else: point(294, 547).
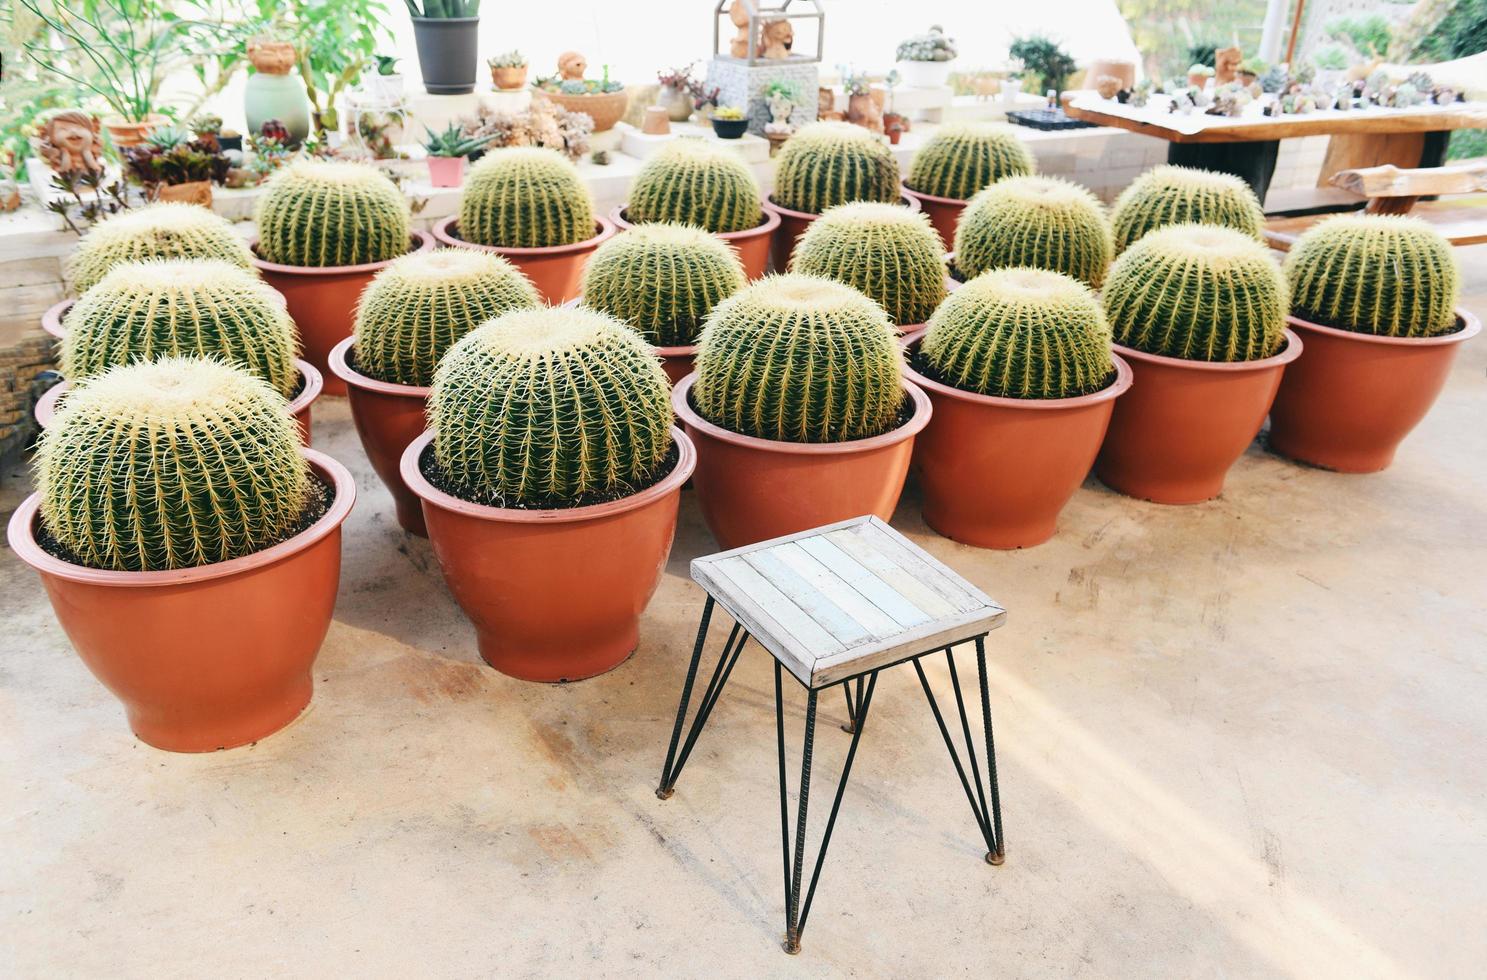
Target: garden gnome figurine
point(572, 65)
point(1226, 65)
point(69, 142)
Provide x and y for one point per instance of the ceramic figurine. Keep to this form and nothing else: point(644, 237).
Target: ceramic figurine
point(69, 142)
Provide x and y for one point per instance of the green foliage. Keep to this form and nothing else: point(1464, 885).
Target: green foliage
point(1198, 292)
point(319, 213)
point(436, 9)
point(1462, 32)
point(422, 303)
point(798, 358)
point(156, 231)
point(831, 163)
point(933, 45)
point(691, 182)
point(1390, 275)
point(1203, 54)
point(1043, 57)
point(888, 252)
point(1172, 34)
point(453, 142)
point(1467, 144)
point(1038, 222)
point(1169, 195)
point(1369, 35)
point(662, 279)
point(525, 197)
point(168, 464)
point(959, 160)
point(548, 407)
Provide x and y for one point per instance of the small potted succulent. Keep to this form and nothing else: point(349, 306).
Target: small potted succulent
point(1250, 70)
point(207, 128)
point(508, 71)
point(173, 166)
point(1034, 222)
point(386, 83)
point(890, 254)
point(1200, 75)
point(924, 59)
point(448, 151)
point(729, 122)
point(602, 100)
point(957, 162)
point(550, 479)
point(446, 33)
point(1171, 195)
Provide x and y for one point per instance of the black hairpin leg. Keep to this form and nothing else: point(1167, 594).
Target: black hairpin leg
point(674, 762)
point(851, 724)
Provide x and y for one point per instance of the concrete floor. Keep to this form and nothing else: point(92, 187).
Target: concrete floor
point(1237, 739)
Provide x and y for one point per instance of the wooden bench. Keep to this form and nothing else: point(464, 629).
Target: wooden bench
point(1462, 218)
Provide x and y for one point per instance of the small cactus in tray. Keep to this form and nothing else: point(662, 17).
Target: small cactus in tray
point(690, 182)
point(525, 197)
point(1169, 195)
point(960, 160)
point(1038, 222)
point(319, 213)
point(156, 231)
point(888, 252)
point(831, 163)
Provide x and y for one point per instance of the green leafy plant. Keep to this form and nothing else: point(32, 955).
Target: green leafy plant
point(508, 59)
point(1043, 57)
point(889, 253)
point(1169, 195)
point(932, 45)
point(446, 9)
point(831, 163)
point(453, 142)
point(1330, 57)
point(525, 197)
point(325, 213)
point(1368, 35)
point(156, 231)
point(662, 279)
point(86, 199)
point(691, 182)
point(1036, 222)
point(387, 64)
point(962, 158)
point(170, 156)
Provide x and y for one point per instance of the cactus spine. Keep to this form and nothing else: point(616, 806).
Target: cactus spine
point(831, 163)
point(888, 252)
point(663, 280)
point(1036, 222)
point(960, 160)
point(156, 231)
point(689, 182)
point(319, 213)
point(525, 197)
point(1169, 195)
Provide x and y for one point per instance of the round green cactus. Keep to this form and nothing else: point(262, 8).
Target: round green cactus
point(1036, 222)
point(888, 252)
point(1020, 333)
point(1198, 292)
point(321, 213)
point(525, 197)
point(421, 304)
point(172, 463)
point(960, 160)
point(799, 358)
point(1393, 276)
point(550, 408)
point(663, 280)
point(831, 163)
point(1169, 195)
point(690, 182)
point(144, 311)
point(155, 231)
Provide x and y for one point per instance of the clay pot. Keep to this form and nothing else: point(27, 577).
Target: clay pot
point(752, 244)
point(388, 417)
point(124, 133)
point(1351, 398)
point(1175, 434)
point(322, 301)
point(944, 212)
point(656, 122)
point(203, 658)
point(753, 489)
point(554, 595)
point(509, 79)
point(557, 271)
point(996, 472)
point(195, 192)
point(794, 223)
point(605, 108)
point(446, 171)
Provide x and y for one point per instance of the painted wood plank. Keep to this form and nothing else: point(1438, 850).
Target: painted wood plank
point(862, 608)
point(917, 560)
point(812, 601)
point(897, 604)
point(807, 634)
point(917, 586)
point(932, 636)
point(798, 535)
point(761, 625)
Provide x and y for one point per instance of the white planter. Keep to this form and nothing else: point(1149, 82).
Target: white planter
point(385, 88)
point(924, 74)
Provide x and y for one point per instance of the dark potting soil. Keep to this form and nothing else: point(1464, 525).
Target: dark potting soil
point(436, 475)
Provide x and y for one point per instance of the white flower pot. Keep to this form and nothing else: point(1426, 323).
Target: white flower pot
point(385, 88)
point(924, 74)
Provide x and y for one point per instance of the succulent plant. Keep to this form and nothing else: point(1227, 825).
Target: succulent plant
point(829, 163)
point(548, 408)
point(1020, 333)
point(1038, 222)
point(143, 311)
point(662, 279)
point(168, 464)
point(1389, 275)
point(959, 160)
point(691, 182)
point(422, 304)
point(798, 358)
point(888, 252)
point(1198, 292)
point(525, 197)
point(319, 213)
point(163, 230)
point(1169, 195)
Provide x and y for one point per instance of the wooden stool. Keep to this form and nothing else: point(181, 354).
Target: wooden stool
point(834, 606)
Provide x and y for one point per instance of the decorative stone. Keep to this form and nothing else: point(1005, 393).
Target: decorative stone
point(743, 85)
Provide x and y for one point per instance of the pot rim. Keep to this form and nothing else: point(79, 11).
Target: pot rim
point(769, 202)
point(1284, 356)
point(413, 477)
point(770, 222)
point(21, 534)
point(1469, 327)
point(341, 368)
point(1123, 379)
point(933, 198)
point(420, 240)
point(445, 231)
point(445, 20)
point(916, 422)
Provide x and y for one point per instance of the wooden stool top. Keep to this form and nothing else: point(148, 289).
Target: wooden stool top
point(841, 600)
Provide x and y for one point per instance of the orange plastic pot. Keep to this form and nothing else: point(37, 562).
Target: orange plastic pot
point(794, 223)
point(557, 272)
point(203, 658)
point(1174, 435)
point(677, 362)
point(322, 301)
point(555, 595)
point(752, 244)
point(753, 489)
point(996, 472)
point(1351, 398)
point(388, 417)
point(944, 212)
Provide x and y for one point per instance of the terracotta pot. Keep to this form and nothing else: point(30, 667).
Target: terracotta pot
point(388, 417)
point(322, 301)
point(446, 171)
point(1351, 398)
point(754, 489)
point(996, 472)
point(752, 244)
point(124, 133)
point(677, 361)
point(203, 658)
point(944, 213)
point(1199, 81)
point(554, 595)
point(509, 78)
point(1175, 434)
point(195, 192)
point(557, 272)
point(605, 108)
point(794, 223)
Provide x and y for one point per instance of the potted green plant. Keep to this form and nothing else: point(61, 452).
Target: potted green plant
point(729, 122)
point(445, 32)
point(447, 152)
point(550, 479)
point(603, 100)
point(890, 254)
point(676, 92)
point(1170, 195)
point(1044, 58)
point(959, 161)
point(1034, 222)
point(1200, 75)
point(386, 83)
point(924, 59)
point(172, 166)
point(508, 71)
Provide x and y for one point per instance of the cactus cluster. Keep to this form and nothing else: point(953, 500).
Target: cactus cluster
point(549, 408)
point(155, 231)
point(831, 163)
point(1198, 292)
point(422, 304)
point(1170, 195)
point(1036, 222)
point(1393, 276)
point(320, 213)
point(691, 182)
point(1020, 333)
point(525, 197)
point(888, 252)
point(663, 280)
point(798, 358)
point(960, 160)
point(168, 464)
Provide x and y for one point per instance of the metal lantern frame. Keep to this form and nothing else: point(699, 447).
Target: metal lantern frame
point(759, 15)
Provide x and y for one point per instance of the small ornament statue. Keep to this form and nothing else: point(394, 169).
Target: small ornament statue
point(571, 66)
point(70, 142)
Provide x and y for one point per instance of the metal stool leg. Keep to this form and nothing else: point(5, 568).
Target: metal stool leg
point(672, 768)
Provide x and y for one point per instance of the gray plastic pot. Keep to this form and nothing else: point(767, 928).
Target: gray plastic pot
point(446, 53)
